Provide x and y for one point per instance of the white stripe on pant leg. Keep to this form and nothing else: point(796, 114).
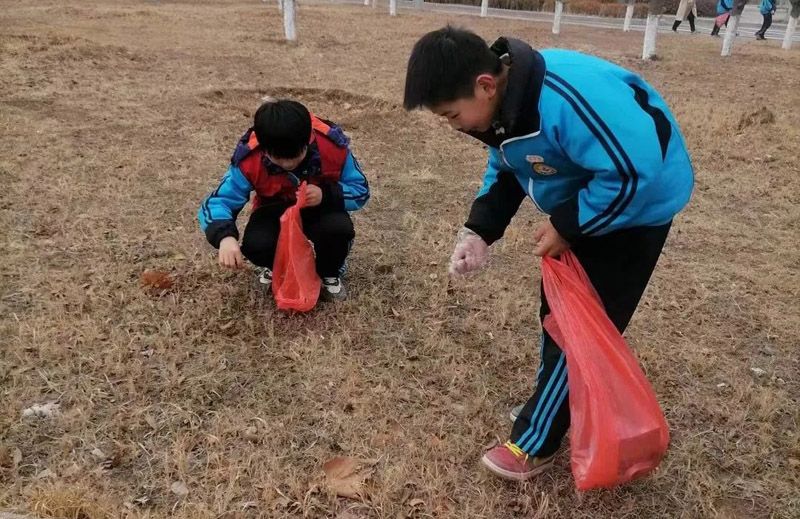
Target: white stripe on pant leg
point(543, 436)
point(548, 394)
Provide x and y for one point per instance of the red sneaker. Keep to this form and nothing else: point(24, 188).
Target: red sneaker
point(510, 462)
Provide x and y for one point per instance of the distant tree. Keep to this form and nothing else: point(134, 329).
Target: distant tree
point(794, 14)
point(655, 8)
point(733, 25)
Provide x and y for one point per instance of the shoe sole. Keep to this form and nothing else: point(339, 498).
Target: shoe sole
point(515, 476)
point(332, 298)
point(512, 415)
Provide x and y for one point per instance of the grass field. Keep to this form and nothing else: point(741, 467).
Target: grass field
point(117, 118)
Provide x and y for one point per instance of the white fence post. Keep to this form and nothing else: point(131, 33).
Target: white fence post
point(790, 28)
point(557, 17)
point(288, 20)
point(392, 7)
point(626, 27)
point(730, 34)
point(484, 8)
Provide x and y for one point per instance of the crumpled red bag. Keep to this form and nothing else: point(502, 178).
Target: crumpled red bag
point(295, 283)
point(617, 429)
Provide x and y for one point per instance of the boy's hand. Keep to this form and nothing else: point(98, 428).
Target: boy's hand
point(229, 253)
point(313, 195)
point(470, 254)
point(548, 241)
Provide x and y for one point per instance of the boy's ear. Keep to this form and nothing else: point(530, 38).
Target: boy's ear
point(487, 84)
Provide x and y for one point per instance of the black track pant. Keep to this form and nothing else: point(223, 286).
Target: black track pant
point(764, 26)
point(677, 23)
point(619, 265)
point(330, 232)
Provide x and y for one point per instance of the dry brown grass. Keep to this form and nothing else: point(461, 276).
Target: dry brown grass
point(116, 119)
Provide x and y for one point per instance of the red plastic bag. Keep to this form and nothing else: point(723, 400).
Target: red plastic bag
point(295, 282)
point(617, 429)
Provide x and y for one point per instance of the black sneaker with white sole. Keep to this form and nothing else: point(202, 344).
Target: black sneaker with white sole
point(333, 289)
point(263, 277)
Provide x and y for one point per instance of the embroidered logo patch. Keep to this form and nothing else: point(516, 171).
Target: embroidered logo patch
point(544, 169)
point(533, 159)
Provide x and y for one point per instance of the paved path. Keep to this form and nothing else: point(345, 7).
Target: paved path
point(747, 29)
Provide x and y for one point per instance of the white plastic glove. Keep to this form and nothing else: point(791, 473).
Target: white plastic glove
point(471, 253)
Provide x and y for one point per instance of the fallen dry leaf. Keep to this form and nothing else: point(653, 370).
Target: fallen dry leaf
point(345, 476)
point(72, 470)
point(251, 434)
point(157, 279)
point(151, 422)
point(48, 410)
point(10, 457)
point(179, 488)
point(97, 453)
point(46, 473)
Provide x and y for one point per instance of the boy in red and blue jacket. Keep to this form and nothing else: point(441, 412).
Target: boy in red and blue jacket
point(286, 146)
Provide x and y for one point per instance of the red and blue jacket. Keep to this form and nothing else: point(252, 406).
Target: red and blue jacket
point(328, 164)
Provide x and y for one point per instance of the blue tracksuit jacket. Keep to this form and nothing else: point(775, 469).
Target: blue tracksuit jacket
point(592, 144)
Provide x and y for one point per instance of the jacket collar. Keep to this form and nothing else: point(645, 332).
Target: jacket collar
point(519, 111)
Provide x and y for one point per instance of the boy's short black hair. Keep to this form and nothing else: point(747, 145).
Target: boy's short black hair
point(443, 67)
point(283, 128)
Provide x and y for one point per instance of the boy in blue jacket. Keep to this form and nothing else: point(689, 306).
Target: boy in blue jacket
point(285, 146)
point(767, 9)
point(594, 147)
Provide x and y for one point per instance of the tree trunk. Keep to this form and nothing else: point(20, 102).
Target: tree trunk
point(392, 7)
point(654, 11)
point(288, 20)
point(650, 32)
point(733, 26)
point(484, 8)
point(628, 17)
point(557, 17)
point(790, 28)
point(730, 34)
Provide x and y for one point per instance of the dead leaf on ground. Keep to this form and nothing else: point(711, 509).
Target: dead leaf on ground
point(345, 476)
point(72, 470)
point(46, 473)
point(48, 410)
point(10, 457)
point(151, 422)
point(251, 434)
point(157, 279)
point(179, 488)
point(97, 453)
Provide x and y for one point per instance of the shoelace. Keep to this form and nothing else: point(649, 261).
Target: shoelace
point(515, 450)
